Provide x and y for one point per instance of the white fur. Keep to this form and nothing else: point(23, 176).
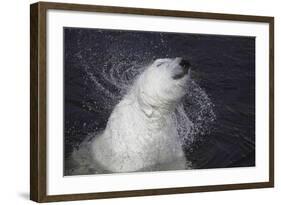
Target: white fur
point(140, 133)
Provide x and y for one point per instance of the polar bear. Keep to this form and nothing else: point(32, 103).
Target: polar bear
point(140, 134)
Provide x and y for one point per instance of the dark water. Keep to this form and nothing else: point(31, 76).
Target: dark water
point(100, 65)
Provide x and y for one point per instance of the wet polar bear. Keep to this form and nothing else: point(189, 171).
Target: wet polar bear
point(140, 133)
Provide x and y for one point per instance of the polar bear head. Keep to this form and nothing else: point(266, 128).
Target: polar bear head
point(163, 84)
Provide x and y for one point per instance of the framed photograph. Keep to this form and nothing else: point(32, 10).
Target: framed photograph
point(134, 102)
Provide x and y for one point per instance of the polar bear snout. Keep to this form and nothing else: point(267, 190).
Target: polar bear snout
point(185, 64)
point(183, 69)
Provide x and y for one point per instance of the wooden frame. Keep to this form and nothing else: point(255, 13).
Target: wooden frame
point(38, 97)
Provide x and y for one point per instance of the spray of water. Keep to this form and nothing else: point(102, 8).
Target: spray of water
point(193, 117)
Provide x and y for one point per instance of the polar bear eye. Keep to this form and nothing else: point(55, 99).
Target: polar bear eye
point(159, 64)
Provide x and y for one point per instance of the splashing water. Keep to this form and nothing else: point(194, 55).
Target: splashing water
point(101, 64)
point(193, 117)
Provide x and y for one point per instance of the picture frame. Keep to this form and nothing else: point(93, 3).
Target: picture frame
point(41, 83)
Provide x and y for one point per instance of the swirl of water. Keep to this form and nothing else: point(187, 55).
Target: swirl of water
point(109, 76)
point(193, 117)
